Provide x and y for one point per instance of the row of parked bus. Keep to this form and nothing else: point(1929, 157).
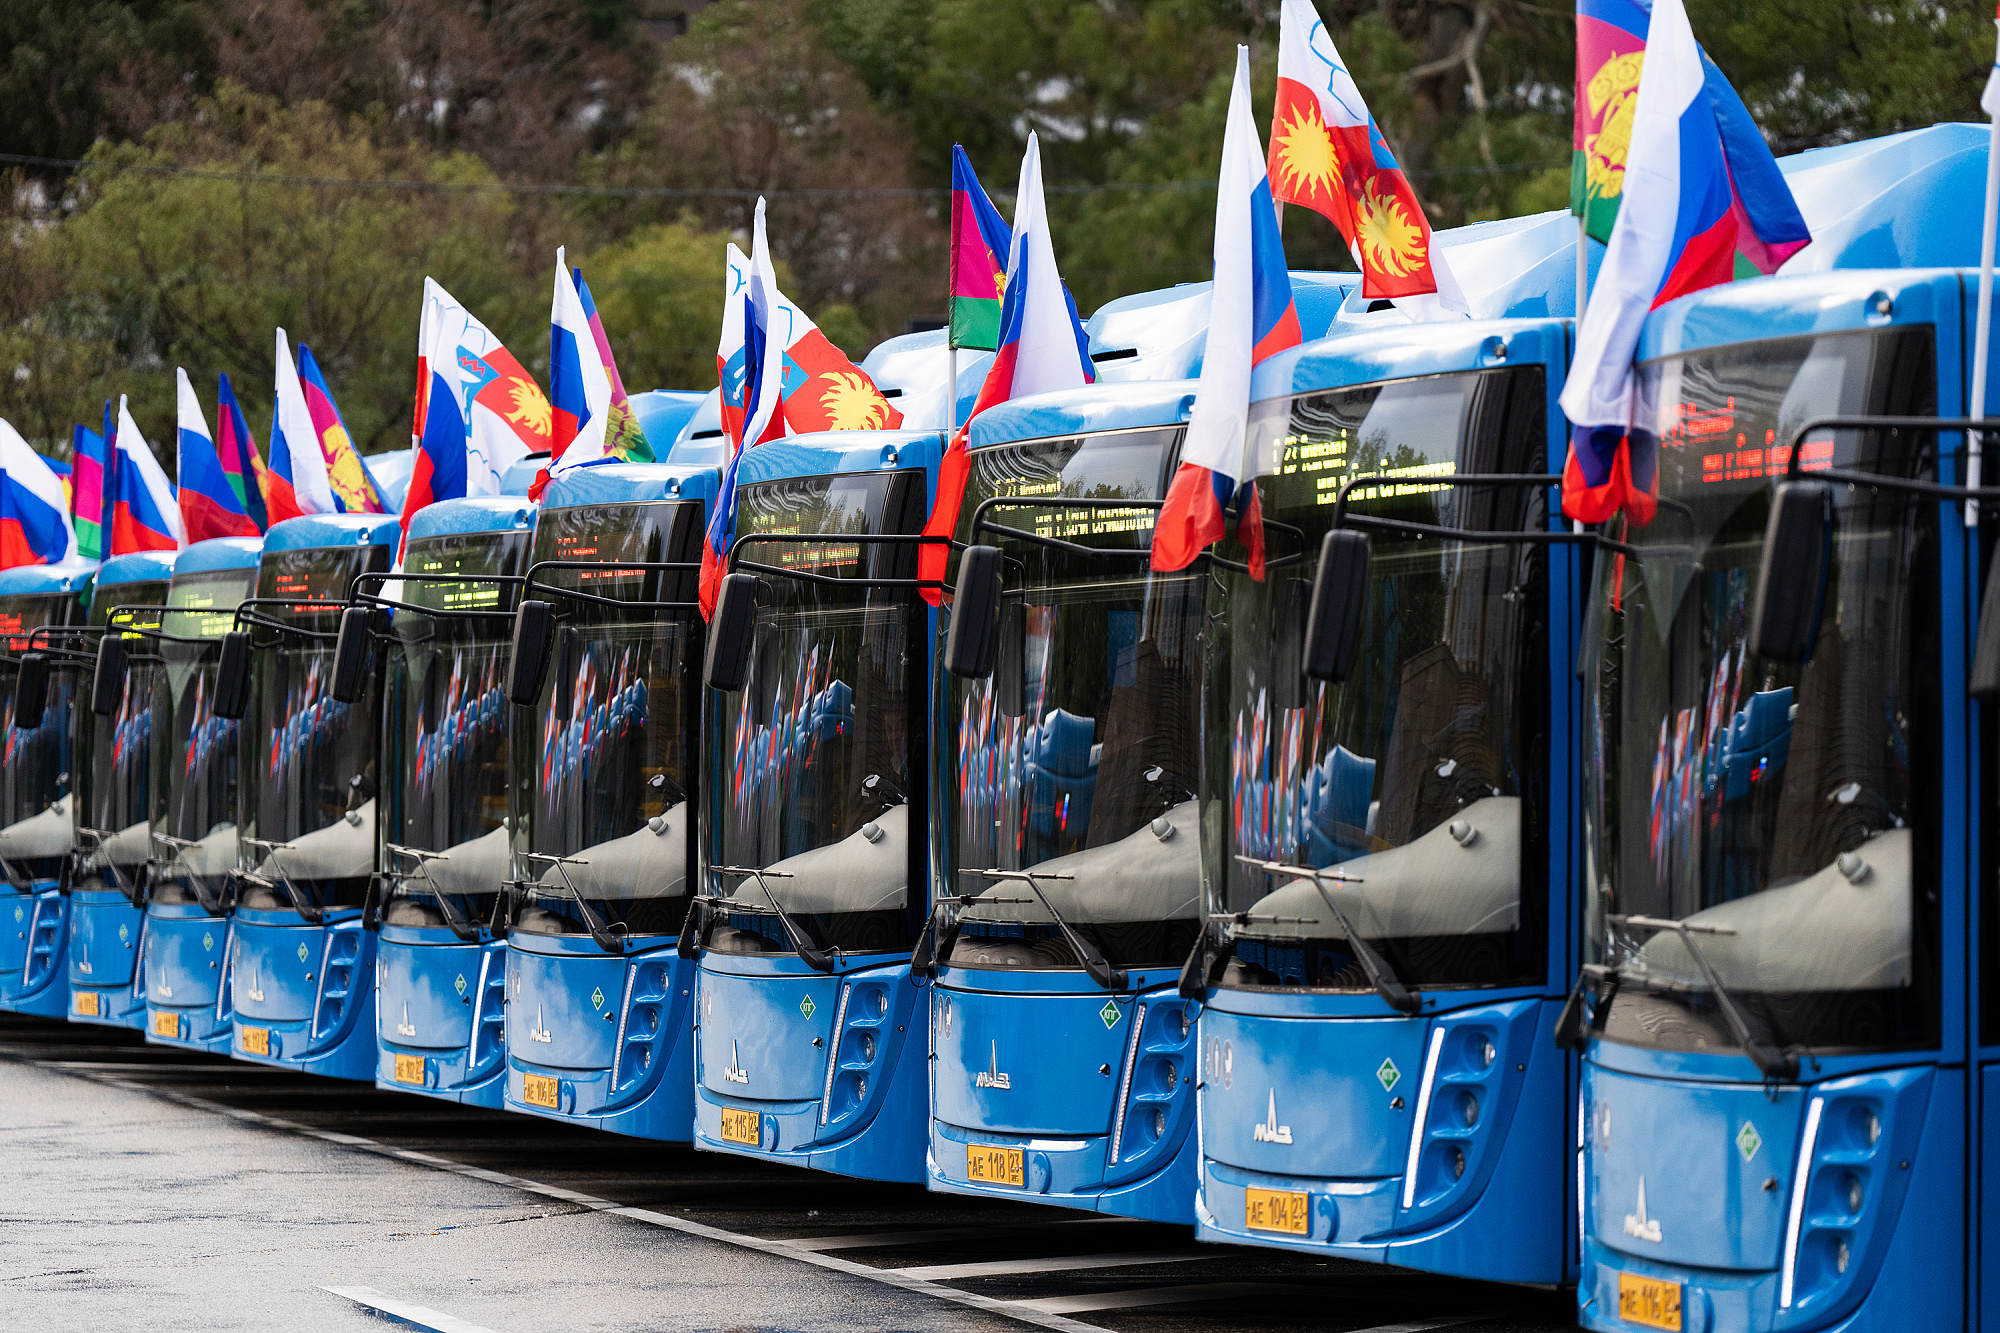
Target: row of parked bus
point(1440, 884)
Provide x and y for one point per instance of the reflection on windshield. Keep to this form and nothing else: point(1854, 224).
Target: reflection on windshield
point(35, 824)
point(200, 760)
point(117, 788)
point(1421, 776)
point(1769, 805)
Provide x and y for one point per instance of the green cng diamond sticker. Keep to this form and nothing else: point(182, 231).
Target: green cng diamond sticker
point(121, 934)
point(17, 914)
point(1109, 1013)
point(1748, 1140)
point(806, 1006)
point(208, 940)
point(460, 983)
point(1388, 1074)
point(597, 998)
point(302, 951)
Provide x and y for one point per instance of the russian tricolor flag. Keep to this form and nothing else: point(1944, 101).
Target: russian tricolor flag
point(1042, 348)
point(145, 515)
point(1252, 316)
point(209, 506)
point(1681, 221)
point(34, 518)
point(579, 390)
point(298, 477)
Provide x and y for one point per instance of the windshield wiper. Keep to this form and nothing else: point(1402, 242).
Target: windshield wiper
point(1780, 1064)
point(99, 837)
point(599, 930)
point(1379, 975)
point(1216, 945)
point(179, 846)
point(460, 927)
point(1101, 972)
point(816, 959)
point(935, 945)
point(300, 903)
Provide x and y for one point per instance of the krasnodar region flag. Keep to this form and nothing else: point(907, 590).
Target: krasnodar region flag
point(86, 492)
point(209, 506)
point(624, 438)
point(579, 390)
point(34, 520)
point(354, 486)
point(1252, 315)
point(980, 240)
point(298, 468)
point(1679, 229)
point(145, 515)
point(1042, 348)
point(237, 449)
point(1610, 54)
point(1328, 153)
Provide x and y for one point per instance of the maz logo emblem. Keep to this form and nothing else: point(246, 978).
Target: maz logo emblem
point(735, 1073)
point(406, 1028)
point(539, 1032)
point(256, 992)
point(1637, 1225)
point(1271, 1131)
point(991, 1077)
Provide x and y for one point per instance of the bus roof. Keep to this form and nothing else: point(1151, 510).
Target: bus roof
point(629, 483)
point(220, 553)
point(136, 567)
point(477, 513)
point(318, 530)
point(1095, 407)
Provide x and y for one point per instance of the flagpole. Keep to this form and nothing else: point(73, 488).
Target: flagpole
point(950, 387)
point(1983, 328)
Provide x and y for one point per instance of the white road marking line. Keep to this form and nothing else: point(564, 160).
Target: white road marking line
point(887, 1277)
point(1057, 1264)
point(862, 1240)
point(409, 1312)
point(1125, 1300)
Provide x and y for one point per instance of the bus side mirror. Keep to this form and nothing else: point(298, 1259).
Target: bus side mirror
point(107, 685)
point(727, 664)
point(970, 648)
point(1339, 605)
point(350, 655)
point(232, 676)
point(31, 690)
point(528, 660)
point(1985, 682)
point(1791, 581)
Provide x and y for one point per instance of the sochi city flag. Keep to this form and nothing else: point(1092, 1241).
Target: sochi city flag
point(1328, 153)
point(624, 439)
point(1252, 315)
point(1610, 54)
point(354, 487)
point(979, 245)
point(501, 411)
point(1042, 348)
point(86, 491)
point(34, 521)
point(237, 450)
point(209, 506)
point(1677, 231)
point(299, 482)
point(731, 363)
point(145, 515)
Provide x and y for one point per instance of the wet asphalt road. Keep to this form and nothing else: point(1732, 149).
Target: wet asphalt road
point(144, 1187)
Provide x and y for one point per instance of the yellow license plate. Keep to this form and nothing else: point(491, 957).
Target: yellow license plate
point(538, 1090)
point(1649, 1301)
point(255, 1041)
point(410, 1069)
point(742, 1126)
point(1275, 1210)
point(993, 1166)
point(86, 1003)
point(166, 1024)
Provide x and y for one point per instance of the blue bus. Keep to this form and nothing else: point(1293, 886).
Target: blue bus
point(440, 961)
point(188, 939)
point(118, 787)
point(1786, 1004)
point(605, 652)
point(37, 830)
point(301, 965)
point(810, 1026)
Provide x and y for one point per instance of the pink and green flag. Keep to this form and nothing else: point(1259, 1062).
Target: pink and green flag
point(623, 437)
point(979, 246)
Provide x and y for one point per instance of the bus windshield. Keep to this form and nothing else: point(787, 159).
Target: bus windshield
point(117, 788)
point(1784, 814)
point(603, 832)
point(816, 762)
point(311, 780)
point(1078, 758)
point(36, 831)
point(196, 834)
point(1422, 778)
point(446, 801)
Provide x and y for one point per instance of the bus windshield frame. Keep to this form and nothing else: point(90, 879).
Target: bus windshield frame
point(118, 793)
point(1775, 826)
point(35, 765)
point(195, 840)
